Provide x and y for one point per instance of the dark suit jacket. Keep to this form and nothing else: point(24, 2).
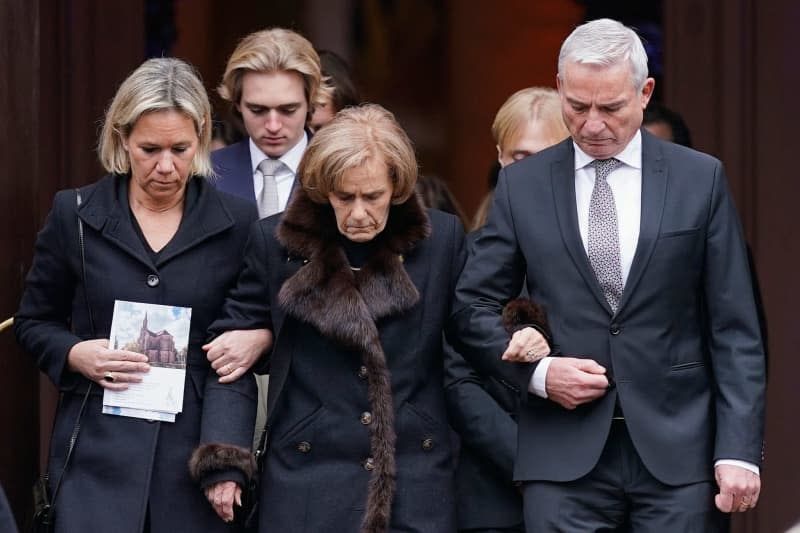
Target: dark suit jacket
point(120, 465)
point(232, 165)
point(692, 390)
point(234, 171)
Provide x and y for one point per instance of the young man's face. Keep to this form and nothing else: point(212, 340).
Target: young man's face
point(274, 110)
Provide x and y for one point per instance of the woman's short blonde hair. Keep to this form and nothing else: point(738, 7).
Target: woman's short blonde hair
point(534, 103)
point(159, 84)
point(355, 136)
point(273, 50)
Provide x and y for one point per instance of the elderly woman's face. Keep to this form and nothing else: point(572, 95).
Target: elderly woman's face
point(161, 147)
point(362, 201)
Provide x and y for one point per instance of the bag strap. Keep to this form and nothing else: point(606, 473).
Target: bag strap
point(77, 428)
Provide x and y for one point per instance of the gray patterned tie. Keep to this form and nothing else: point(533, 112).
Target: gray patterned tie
point(268, 201)
point(604, 234)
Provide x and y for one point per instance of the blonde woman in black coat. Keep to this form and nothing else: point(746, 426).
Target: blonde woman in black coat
point(155, 232)
point(355, 281)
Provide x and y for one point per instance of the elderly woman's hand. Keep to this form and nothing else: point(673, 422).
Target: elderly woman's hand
point(112, 369)
point(222, 496)
point(234, 352)
point(526, 346)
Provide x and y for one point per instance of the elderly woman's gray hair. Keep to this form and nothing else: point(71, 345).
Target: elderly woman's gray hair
point(159, 84)
point(355, 136)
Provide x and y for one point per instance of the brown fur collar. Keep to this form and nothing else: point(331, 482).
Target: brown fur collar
point(344, 306)
point(209, 458)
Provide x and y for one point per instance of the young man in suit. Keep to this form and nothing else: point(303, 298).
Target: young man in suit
point(273, 80)
point(653, 418)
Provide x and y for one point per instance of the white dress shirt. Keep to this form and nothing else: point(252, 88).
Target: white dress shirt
point(285, 175)
point(626, 185)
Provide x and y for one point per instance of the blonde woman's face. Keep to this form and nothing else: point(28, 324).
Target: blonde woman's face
point(533, 137)
point(161, 147)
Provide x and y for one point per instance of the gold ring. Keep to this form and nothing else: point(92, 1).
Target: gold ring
point(108, 377)
point(530, 355)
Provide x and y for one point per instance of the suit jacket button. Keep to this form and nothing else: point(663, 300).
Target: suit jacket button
point(152, 280)
point(362, 372)
point(304, 446)
point(366, 418)
point(427, 444)
point(369, 464)
point(615, 329)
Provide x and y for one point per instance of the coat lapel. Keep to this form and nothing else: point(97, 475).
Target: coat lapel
point(107, 210)
point(654, 190)
point(562, 176)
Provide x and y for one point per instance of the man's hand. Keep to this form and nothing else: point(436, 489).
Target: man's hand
point(571, 382)
point(739, 488)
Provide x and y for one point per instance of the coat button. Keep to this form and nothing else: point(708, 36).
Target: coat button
point(369, 464)
point(615, 329)
point(152, 280)
point(362, 372)
point(366, 418)
point(427, 444)
point(304, 446)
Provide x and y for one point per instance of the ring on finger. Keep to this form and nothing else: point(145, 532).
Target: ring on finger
point(108, 377)
point(530, 355)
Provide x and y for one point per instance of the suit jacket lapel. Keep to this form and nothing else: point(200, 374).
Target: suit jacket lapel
point(654, 189)
point(236, 174)
point(562, 176)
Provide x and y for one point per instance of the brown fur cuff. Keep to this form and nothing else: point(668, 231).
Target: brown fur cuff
point(210, 458)
point(522, 312)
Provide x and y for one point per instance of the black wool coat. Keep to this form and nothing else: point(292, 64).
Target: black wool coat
point(358, 433)
point(121, 467)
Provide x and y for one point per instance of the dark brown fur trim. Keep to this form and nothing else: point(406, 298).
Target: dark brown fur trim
point(521, 312)
point(210, 458)
point(344, 307)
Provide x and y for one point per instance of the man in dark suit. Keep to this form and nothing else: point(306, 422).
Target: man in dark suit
point(633, 247)
point(272, 79)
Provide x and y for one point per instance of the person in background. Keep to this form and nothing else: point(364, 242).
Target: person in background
point(433, 192)
point(482, 410)
point(653, 418)
point(343, 90)
point(666, 124)
point(355, 280)
point(273, 80)
point(153, 231)
point(527, 123)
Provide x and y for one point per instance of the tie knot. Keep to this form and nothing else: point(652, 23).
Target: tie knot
point(269, 167)
point(603, 167)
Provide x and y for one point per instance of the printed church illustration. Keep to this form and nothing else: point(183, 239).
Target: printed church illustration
point(158, 347)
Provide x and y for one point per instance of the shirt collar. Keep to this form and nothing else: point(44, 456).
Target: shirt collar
point(291, 158)
point(631, 155)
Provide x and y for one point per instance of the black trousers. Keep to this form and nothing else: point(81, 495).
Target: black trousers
point(619, 494)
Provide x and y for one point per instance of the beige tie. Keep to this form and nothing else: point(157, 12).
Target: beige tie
point(268, 200)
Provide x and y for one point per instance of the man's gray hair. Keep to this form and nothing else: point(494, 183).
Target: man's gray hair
point(605, 42)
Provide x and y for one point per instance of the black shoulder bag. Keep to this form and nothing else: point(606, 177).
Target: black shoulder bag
point(44, 504)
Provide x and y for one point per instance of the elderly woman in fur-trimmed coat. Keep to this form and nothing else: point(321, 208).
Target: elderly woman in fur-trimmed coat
point(355, 281)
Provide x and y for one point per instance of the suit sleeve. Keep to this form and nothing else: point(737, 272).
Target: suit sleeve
point(42, 323)
point(735, 343)
point(481, 423)
point(493, 275)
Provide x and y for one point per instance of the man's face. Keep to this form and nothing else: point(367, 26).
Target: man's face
point(601, 107)
point(533, 137)
point(274, 110)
